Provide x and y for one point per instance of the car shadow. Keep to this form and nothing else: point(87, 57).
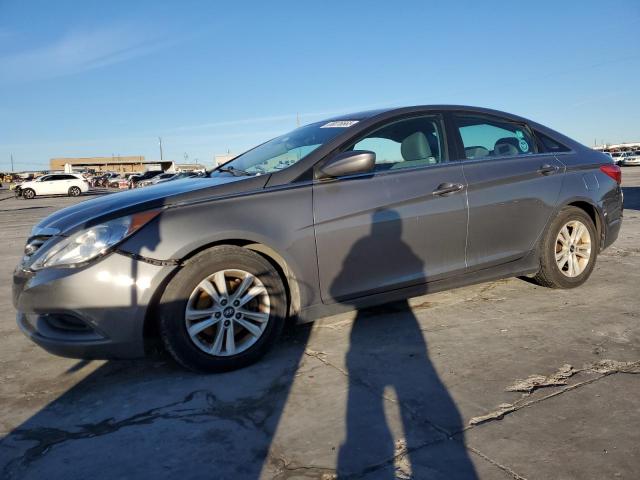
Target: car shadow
point(152, 419)
point(631, 198)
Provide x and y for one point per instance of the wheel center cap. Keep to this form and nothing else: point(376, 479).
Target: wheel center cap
point(228, 312)
point(572, 248)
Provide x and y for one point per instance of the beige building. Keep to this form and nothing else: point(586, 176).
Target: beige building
point(223, 158)
point(119, 164)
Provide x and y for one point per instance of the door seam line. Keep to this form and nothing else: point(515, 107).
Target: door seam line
point(466, 198)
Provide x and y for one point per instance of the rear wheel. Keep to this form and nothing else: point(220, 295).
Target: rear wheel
point(223, 310)
point(28, 193)
point(74, 192)
point(568, 250)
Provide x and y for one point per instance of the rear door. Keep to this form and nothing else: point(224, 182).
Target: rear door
point(512, 189)
point(60, 184)
point(403, 225)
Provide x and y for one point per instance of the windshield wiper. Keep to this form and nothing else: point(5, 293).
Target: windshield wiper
point(236, 172)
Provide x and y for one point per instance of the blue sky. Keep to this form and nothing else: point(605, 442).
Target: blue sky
point(96, 78)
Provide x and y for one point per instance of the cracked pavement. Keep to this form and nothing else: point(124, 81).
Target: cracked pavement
point(498, 380)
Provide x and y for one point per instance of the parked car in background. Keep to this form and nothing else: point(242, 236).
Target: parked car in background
point(103, 179)
point(72, 184)
point(178, 176)
point(630, 159)
point(616, 156)
point(123, 182)
point(345, 213)
point(182, 175)
point(118, 181)
point(155, 179)
point(134, 180)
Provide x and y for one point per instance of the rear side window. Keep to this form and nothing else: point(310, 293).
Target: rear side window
point(489, 137)
point(549, 144)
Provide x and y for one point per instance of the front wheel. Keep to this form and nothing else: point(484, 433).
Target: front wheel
point(74, 192)
point(223, 310)
point(568, 250)
point(28, 193)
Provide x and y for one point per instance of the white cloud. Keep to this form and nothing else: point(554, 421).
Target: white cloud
point(290, 117)
point(78, 51)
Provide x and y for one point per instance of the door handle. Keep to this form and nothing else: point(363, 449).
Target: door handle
point(547, 169)
point(447, 188)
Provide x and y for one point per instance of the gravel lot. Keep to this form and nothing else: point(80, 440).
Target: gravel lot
point(499, 380)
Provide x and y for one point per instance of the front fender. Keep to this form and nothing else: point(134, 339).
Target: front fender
point(280, 219)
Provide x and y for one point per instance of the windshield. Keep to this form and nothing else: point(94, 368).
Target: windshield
point(284, 151)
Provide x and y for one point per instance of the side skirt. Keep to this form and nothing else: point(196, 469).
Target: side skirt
point(524, 266)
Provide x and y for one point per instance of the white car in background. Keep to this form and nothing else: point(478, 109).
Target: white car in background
point(615, 156)
point(54, 184)
point(631, 158)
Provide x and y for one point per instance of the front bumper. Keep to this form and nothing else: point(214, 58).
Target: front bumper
point(94, 312)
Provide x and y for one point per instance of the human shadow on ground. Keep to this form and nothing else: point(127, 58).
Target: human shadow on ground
point(389, 369)
point(152, 419)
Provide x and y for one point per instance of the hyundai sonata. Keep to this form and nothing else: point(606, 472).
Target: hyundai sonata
point(349, 212)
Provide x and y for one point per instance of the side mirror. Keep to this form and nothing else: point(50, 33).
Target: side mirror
point(348, 163)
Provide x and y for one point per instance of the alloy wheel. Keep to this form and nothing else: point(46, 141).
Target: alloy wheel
point(227, 312)
point(573, 248)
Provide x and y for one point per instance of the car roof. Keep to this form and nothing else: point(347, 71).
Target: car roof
point(366, 114)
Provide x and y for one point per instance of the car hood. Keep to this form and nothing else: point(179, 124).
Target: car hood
point(166, 194)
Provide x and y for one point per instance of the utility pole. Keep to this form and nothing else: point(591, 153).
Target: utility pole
point(160, 143)
point(12, 163)
point(297, 119)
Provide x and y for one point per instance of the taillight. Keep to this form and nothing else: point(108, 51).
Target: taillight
point(612, 171)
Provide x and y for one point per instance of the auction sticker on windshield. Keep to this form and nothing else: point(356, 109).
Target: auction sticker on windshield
point(340, 124)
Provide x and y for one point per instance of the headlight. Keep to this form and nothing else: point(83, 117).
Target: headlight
point(93, 242)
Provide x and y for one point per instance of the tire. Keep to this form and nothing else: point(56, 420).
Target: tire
point(28, 193)
point(185, 290)
point(556, 273)
point(74, 192)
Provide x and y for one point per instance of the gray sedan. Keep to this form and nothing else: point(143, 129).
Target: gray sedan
point(349, 212)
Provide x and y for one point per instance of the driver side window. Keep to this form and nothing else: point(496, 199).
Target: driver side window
point(408, 143)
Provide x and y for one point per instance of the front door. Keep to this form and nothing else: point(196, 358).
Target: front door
point(45, 185)
point(403, 225)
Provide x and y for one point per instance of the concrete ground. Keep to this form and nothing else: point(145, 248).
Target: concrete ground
point(499, 380)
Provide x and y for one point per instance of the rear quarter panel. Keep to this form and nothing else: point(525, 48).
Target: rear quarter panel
point(585, 182)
